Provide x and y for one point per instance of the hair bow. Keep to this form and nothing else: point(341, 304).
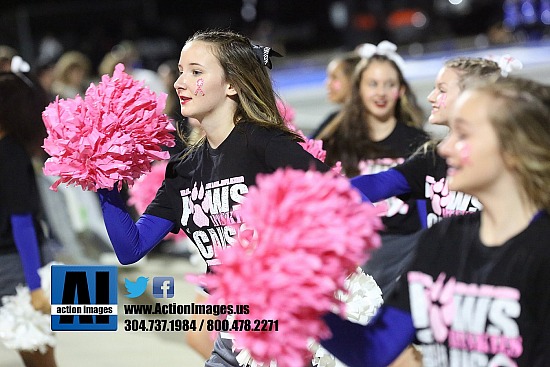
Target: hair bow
point(506, 63)
point(18, 65)
point(264, 54)
point(385, 48)
point(509, 64)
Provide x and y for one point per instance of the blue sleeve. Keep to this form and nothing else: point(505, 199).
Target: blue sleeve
point(364, 197)
point(26, 241)
point(375, 345)
point(382, 185)
point(131, 241)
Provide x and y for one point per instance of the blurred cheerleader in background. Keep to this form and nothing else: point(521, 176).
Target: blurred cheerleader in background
point(22, 241)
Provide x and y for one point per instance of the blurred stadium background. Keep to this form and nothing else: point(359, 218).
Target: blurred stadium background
point(307, 32)
point(296, 27)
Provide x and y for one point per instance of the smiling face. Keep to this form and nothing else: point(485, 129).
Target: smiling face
point(472, 149)
point(444, 95)
point(380, 89)
point(201, 85)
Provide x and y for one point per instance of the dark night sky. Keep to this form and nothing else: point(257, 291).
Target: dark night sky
point(95, 26)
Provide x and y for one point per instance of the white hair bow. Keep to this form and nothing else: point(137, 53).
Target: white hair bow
point(506, 63)
point(18, 65)
point(385, 48)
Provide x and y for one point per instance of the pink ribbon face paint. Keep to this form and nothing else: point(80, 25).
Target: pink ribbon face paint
point(200, 83)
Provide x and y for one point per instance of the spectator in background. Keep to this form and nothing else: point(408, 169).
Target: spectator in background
point(45, 73)
point(6, 54)
point(127, 53)
point(71, 73)
point(168, 72)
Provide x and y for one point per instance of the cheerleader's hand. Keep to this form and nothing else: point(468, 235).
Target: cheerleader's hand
point(40, 301)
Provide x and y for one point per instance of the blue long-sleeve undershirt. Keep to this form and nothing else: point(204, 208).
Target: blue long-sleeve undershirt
point(131, 241)
point(26, 241)
point(375, 345)
point(382, 185)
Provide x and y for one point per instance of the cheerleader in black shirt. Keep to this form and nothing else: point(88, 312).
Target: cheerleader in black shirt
point(225, 88)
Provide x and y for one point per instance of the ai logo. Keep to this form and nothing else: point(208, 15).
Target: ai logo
point(84, 298)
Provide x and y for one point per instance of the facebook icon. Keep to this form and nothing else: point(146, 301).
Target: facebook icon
point(163, 287)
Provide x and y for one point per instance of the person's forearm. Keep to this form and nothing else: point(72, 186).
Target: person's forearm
point(26, 241)
point(375, 345)
point(382, 185)
point(131, 241)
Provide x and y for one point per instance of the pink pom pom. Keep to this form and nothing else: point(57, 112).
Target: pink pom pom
point(110, 136)
point(312, 231)
point(315, 148)
point(145, 188)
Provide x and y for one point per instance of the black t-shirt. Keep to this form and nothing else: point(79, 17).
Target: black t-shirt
point(402, 217)
point(426, 175)
point(474, 305)
point(18, 191)
point(201, 191)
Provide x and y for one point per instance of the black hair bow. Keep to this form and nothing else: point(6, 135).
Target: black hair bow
point(264, 54)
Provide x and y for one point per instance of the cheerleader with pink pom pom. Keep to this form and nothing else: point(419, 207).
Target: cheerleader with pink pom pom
point(225, 88)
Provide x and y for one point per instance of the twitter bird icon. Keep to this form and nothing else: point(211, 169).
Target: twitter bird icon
point(135, 289)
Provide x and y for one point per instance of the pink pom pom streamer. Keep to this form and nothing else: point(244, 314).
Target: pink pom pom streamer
point(110, 136)
point(145, 188)
point(311, 233)
point(312, 146)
